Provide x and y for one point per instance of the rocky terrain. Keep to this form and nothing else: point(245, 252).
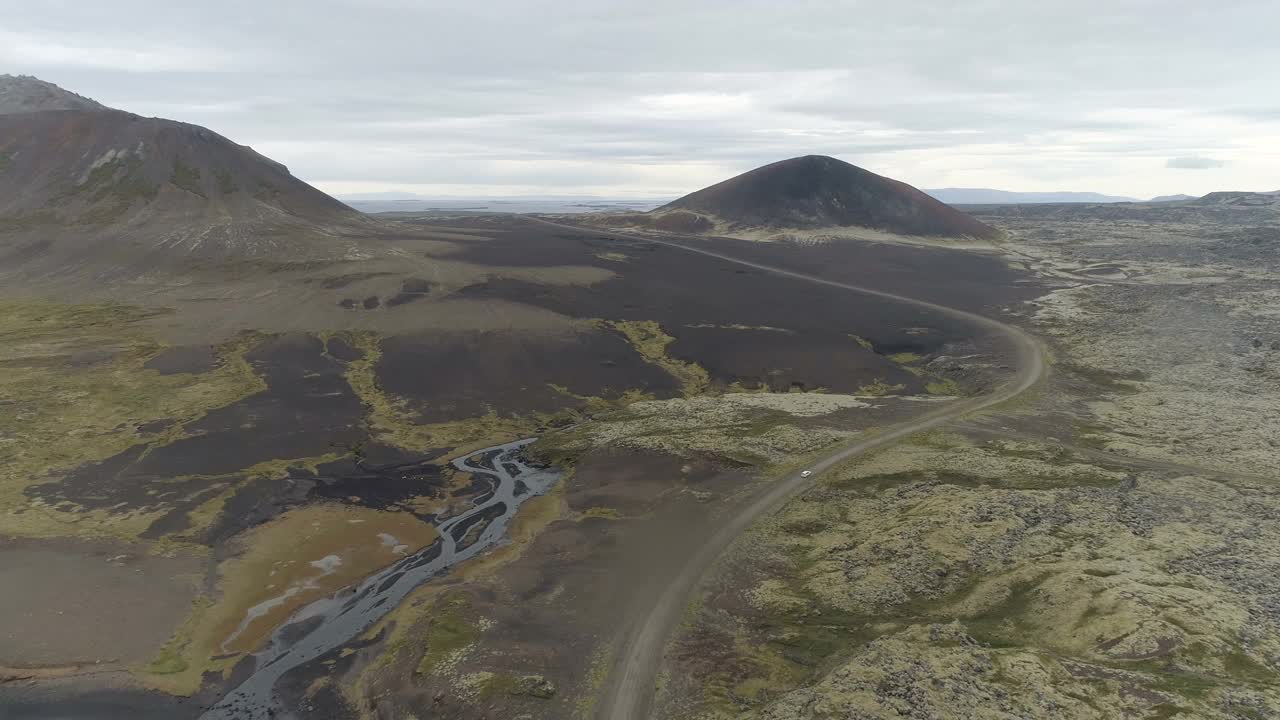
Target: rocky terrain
point(1104, 549)
point(24, 93)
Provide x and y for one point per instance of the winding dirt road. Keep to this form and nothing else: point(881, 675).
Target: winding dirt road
point(629, 689)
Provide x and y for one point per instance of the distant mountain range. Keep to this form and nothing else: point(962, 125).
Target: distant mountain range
point(1172, 198)
point(986, 196)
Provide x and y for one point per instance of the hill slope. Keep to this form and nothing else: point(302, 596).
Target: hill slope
point(107, 166)
point(23, 93)
point(95, 187)
point(815, 191)
point(1241, 198)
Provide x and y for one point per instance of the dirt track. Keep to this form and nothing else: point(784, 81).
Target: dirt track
point(628, 691)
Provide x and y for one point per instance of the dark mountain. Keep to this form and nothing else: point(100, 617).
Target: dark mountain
point(107, 166)
point(984, 196)
point(95, 183)
point(816, 191)
point(23, 93)
point(1241, 199)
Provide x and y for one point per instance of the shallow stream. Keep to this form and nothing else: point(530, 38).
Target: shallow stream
point(329, 623)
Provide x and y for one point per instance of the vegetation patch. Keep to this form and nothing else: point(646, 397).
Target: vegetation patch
point(171, 659)
point(488, 685)
point(1033, 552)
point(266, 191)
point(943, 386)
point(299, 557)
point(649, 339)
point(450, 631)
point(880, 387)
point(186, 178)
point(744, 429)
point(115, 185)
point(226, 184)
point(596, 676)
point(606, 513)
point(75, 389)
point(409, 646)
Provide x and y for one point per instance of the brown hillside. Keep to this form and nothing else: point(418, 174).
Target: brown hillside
point(105, 166)
point(109, 192)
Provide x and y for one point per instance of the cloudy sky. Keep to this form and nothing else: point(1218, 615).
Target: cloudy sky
point(656, 98)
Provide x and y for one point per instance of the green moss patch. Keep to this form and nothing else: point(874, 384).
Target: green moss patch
point(226, 184)
point(114, 187)
point(186, 178)
point(62, 411)
point(649, 339)
point(450, 630)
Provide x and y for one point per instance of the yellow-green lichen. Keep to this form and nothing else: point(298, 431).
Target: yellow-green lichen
point(863, 342)
point(943, 386)
point(879, 387)
point(649, 339)
point(62, 412)
point(450, 631)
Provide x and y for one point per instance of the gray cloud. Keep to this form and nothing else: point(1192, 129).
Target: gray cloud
point(1193, 163)
point(664, 96)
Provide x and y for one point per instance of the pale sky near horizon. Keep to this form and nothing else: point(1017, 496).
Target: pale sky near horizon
point(620, 99)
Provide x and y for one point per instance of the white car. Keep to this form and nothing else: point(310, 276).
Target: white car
point(806, 473)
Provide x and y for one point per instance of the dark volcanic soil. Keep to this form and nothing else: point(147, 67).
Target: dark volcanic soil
point(714, 309)
point(962, 279)
point(452, 375)
point(763, 358)
point(186, 359)
point(47, 703)
point(816, 191)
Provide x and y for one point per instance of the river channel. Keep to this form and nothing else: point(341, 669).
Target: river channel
point(329, 623)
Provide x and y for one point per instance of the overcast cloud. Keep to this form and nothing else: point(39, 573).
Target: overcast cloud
point(1194, 163)
point(659, 98)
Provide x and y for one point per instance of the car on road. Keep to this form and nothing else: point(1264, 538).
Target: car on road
point(806, 473)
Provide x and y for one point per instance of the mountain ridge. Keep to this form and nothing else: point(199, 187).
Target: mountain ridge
point(26, 93)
